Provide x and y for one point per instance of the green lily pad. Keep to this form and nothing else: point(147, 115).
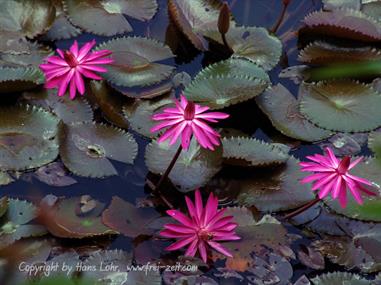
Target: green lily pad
point(106, 18)
point(226, 83)
point(193, 169)
point(324, 53)
point(16, 223)
point(372, 8)
point(19, 79)
point(192, 16)
point(339, 278)
point(66, 218)
point(252, 152)
point(86, 148)
point(5, 178)
point(29, 18)
point(274, 190)
point(135, 61)
point(132, 221)
point(337, 4)
point(374, 143)
point(344, 23)
point(28, 137)
point(253, 43)
point(371, 209)
point(33, 56)
point(110, 102)
point(139, 114)
point(282, 108)
point(345, 106)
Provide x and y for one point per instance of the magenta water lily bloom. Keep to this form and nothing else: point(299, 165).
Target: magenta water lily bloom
point(204, 228)
point(188, 119)
point(70, 67)
point(331, 175)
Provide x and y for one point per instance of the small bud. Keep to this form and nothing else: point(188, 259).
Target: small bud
point(224, 19)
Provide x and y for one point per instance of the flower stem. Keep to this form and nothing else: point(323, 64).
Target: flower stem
point(281, 17)
point(302, 208)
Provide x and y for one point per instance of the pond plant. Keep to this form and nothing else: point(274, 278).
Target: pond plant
point(267, 112)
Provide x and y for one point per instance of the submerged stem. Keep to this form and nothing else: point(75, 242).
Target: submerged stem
point(302, 208)
point(281, 17)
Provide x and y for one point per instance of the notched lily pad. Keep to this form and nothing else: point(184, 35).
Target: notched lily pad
point(345, 106)
point(344, 23)
point(106, 18)
point(136, 61)
point(253, 43)
point(15, 79)
point(226, 83)
point(337, 4)
point(339, 278)
point(16, 224)
point(28, 137)
point(193, 169)
point(29, 18)
point(5, 178)
point(282, 108)
point(54, 174)
point(252, 152)
point(66, 218)
point(132, 221)
point(86, 148)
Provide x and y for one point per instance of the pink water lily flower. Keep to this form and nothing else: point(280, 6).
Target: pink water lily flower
point(188, 119)
point(71, 66)
point(204, 228)
point(332, 176)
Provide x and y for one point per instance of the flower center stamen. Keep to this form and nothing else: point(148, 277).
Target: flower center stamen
point(344, 165)
point(205, 235)
point(189, 111)
point(70, 59)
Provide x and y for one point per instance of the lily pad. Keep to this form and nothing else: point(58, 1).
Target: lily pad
point(192, 16)
point(106, 18)
point(371, 209)
point(54, 174)
point(374, 143)
point(253, 43)
point(16, 224)
point(282, 108)
point(339, 278)
point(5, 178)
point(32, 57)
point(344, 23)
point(345, 106)
point(135, 61)
point(253, 152)
point(226, 83)
point(87, 147)
point(132, 221)
point(193, 169)
point(139, 114)
point(65, 218)
point(338, 4)
point(28, 137)
point(19, 79)
point(29, 18)
point(275, 190)
point(324, 53)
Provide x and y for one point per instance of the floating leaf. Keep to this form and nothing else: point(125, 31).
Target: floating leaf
point(371, 209)
point(16, 224)
point(226, 83)
point(192, 16)
point(139, 114)
point(337, 4)
point(132, 221)
point(252, 43)
point(135, 61)
point(345, 106)
point(29, 18)
point(110, 103)
point(339, 278)
point(374, 143)
point(87, 147)
point(193, 169)
point(344, 23)
point(371, 8)
point(345, 144)
point(282, 108)
point(324, 53)
point(19, 79)
point(253, 152)
point(106, 18)
point(13, 42)
point(54, 174)
point(5, 178)
point(64, 218)
point(272, 191)
point(28, 137)
point(32, 57)
point(69, 111)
